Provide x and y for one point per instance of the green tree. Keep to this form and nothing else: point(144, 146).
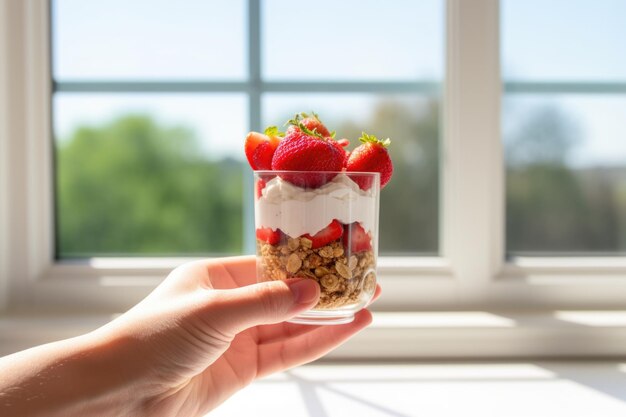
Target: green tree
point(552, 207)
point(134, 187)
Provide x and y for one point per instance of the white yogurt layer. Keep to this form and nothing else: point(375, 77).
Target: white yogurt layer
point(297, 211)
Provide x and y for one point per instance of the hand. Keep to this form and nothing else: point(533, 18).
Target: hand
point(209, 329)
point(205, 332)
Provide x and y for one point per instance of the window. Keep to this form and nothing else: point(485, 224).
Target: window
point(157, 171)
point(459, 220)
point(563, 125)
point(152, 102)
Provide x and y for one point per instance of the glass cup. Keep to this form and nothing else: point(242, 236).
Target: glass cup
point(321, 226)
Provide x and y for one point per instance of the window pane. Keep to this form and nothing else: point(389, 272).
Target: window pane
point(149, 39)
point(563, 40)
point(409, 206)
point(566, 174)
point(149, 174)
point(352, 40)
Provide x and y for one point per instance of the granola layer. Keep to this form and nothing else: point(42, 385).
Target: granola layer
point(345, 278)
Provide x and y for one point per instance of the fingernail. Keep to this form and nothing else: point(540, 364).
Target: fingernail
point(304, 291)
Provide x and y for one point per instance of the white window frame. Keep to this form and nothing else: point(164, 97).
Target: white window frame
point(470, 274)
point(4, 169)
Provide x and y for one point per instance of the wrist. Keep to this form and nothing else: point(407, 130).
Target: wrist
point(114, 374)
point(85, 375)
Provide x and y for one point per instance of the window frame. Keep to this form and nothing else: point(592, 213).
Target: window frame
point(4, 170)
point(471, 272)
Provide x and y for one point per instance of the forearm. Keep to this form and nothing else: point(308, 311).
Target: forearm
point(87, 375)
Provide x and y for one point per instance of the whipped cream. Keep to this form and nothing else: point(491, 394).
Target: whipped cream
point(297, 211)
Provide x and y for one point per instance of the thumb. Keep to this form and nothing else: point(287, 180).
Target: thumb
point(263, 303)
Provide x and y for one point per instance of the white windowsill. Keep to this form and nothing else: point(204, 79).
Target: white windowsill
point(409, 336)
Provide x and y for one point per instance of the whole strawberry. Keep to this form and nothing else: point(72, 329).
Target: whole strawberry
point(371, 156)
point(260, 147)
point(303, 149)
point(312, 122)
point(315, 125)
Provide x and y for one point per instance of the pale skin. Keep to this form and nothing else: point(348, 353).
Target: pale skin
point(207, 331)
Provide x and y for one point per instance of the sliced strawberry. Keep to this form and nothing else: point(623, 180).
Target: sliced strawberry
point(267, 234)
point(260, 149)
point(329, 234)
point(262, 180)
point(356, 239)
point(260, 185)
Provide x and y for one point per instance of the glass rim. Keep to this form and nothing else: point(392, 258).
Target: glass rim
point(287, 171)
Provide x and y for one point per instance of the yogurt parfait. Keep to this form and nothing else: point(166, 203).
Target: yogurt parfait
point(314, 222)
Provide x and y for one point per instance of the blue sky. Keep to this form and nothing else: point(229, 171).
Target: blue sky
point(564, 40)
point(557, 40)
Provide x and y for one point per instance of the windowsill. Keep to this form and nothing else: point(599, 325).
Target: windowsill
point(408, 336)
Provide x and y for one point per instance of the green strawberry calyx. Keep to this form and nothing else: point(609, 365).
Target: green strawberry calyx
point(273, 131)
point(365, 138)
point(297, 121)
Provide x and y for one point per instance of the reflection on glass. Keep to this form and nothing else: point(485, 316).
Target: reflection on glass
point(566, 174)
point(148, 175)
point(570, 40)
point(352, 40)
point(148, 39)
point(409, 203)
